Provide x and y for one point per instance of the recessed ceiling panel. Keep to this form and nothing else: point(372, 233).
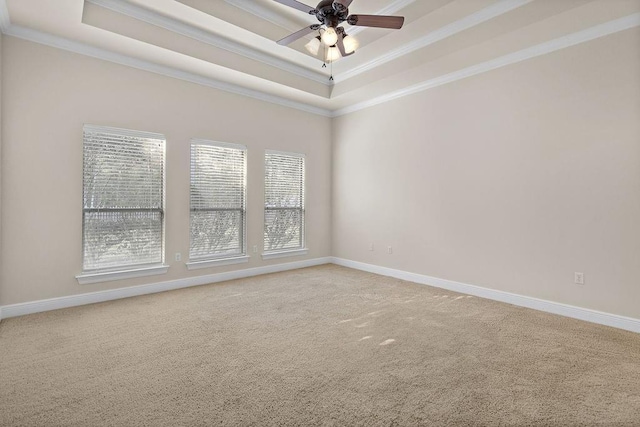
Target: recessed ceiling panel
point(231, 44)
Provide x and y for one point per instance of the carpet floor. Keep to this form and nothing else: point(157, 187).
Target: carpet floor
point(324, 346)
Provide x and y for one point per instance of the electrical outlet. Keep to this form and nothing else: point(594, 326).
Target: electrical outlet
point(178, 256)
point(389, 250)
point(371, 247)
point(578, 278)
point(255, 249)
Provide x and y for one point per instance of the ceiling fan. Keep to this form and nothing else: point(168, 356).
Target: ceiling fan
point(332, 13)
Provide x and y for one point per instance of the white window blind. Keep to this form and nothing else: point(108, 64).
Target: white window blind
point(123, 198)
point(284, 201)
point(218, 181)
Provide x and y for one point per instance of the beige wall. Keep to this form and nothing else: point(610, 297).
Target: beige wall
point(49, 94)
point(511, 180)
point(1, 167)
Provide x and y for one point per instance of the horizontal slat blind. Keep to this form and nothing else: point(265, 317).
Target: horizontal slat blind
point(123, 198)
point(284, 201)
point(218, 174)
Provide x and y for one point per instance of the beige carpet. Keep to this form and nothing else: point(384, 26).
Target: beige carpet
point(319, 346)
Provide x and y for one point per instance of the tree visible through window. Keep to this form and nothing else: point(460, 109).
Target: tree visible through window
point(284, 201)
point(218, 175)
point(123, 198)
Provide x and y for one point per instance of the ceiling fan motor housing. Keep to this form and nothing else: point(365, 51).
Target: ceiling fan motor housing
point(331, 13)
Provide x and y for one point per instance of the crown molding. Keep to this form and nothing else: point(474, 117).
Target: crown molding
point(256, 9)
point(484, 15)
point(176, 26)
point(579, 37)
point(394, 7)
point(5, 20)
point(607, 28)
point(95, 52)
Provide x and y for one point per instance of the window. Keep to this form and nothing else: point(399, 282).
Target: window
point(218, 218)
point(123, 199)
point(284, 202)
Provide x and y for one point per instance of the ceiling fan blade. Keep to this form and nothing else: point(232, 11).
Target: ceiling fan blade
point(297, 5)
point(298, 34)
point(380, 21)
point(340, 45)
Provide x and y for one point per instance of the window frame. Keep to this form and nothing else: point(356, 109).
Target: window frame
point(299, 250)
point(211, 260)
point(97, 275)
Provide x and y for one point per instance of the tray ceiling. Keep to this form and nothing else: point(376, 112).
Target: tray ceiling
point(230, 44)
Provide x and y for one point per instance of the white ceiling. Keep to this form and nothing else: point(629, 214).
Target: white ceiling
point(230, 44)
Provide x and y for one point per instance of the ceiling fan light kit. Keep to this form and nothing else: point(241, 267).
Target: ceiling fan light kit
point(333, 54)
point(351, 44)
point(313, 47)
point(330, 14)
point(329, 36)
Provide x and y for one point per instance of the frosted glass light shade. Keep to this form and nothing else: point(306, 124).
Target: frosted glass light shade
point(313, 46)
point(329, 36)
point(350, 44)
point(333, 54)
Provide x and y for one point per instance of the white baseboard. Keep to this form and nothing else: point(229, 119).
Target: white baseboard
point(113, 294)
point(607, 319)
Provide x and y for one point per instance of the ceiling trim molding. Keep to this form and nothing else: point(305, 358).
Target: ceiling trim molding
point(254, 8)
point(484, 15)
point(176, 26)
point(573, 39)
point(394, 7)
point(95, 52)
point(601, 30)
point(5, 20)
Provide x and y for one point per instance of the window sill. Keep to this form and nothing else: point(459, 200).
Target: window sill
point(284, 254)
point(195, 265)
point(86, 279)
